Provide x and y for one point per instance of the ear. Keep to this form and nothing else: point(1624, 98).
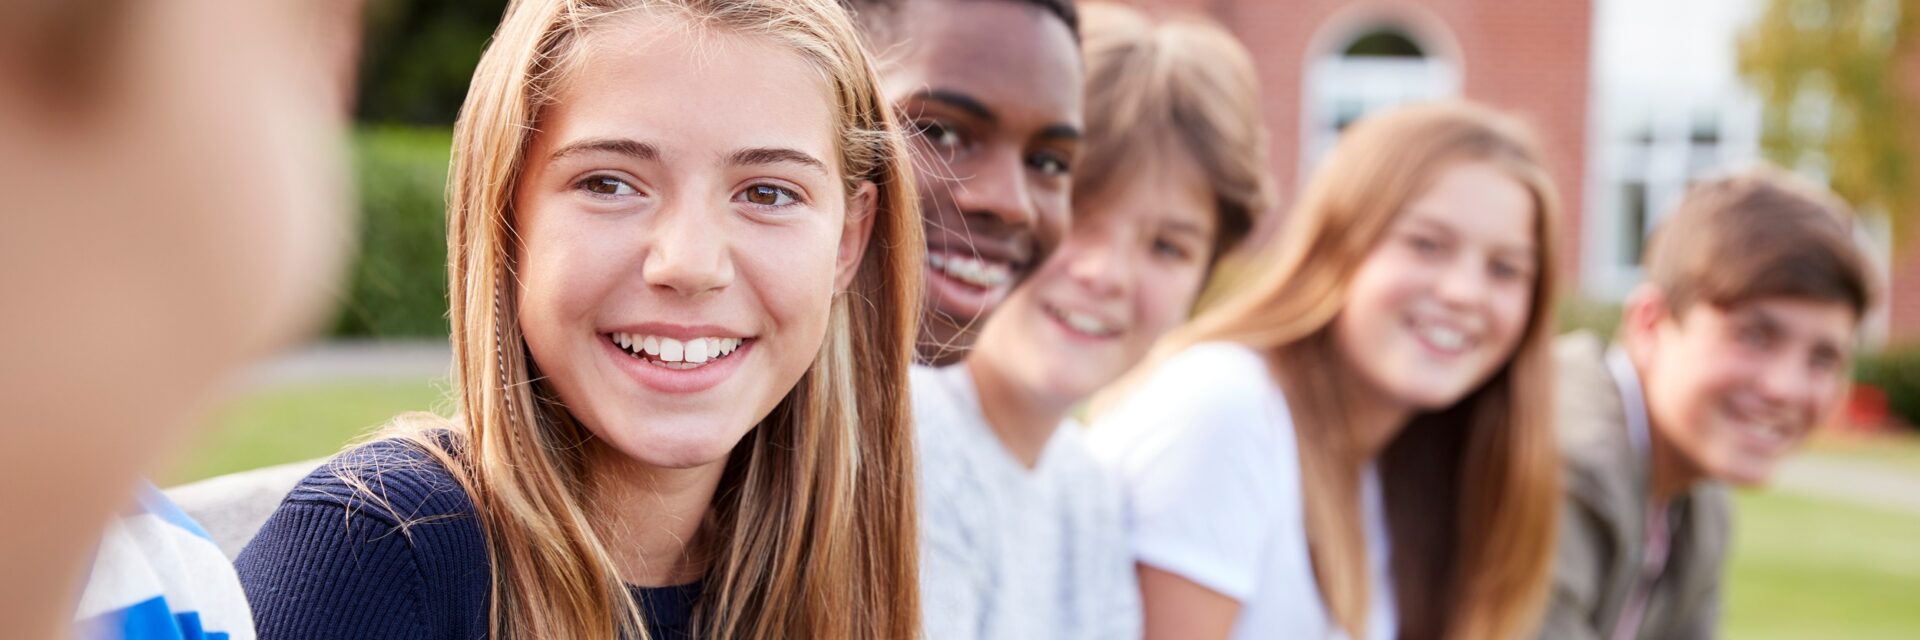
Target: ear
point(1645, 310)
point(853, 237)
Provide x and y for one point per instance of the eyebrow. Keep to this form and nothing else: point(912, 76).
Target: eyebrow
point(978, 109)
point(775, 155)
point(959, 101)
point(1061, 132)
point(1528, 251)
point(627, 147)
point(1184, 227)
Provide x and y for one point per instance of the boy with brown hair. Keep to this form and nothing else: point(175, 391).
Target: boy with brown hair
point(1735, 348)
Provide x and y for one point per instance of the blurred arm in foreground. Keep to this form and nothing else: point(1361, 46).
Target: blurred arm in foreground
point(174, 198)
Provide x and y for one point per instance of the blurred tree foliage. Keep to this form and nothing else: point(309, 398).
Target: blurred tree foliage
point(419, 55)
point(398, 284)
point(1837, 103)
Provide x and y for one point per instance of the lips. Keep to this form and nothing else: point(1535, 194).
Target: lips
point(674, 353)
point(677, 359)
point(1768, 434)
point(966, 286)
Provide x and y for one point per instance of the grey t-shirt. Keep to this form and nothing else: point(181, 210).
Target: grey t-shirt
point(1011, 553)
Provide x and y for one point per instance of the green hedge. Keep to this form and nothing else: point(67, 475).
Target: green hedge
point(1578, 313)
point(1896, 372)
point(398, 284)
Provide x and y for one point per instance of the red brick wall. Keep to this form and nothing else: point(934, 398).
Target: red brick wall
point(1903, 290)
point(1530, 57)
point(1903, 285)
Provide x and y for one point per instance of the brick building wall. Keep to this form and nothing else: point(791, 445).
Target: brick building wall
point(1528, 57)
point(1903, 285)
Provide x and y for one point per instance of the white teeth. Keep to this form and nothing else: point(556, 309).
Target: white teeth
point(974, 271)
point(1443, 337)
point(691, 351)
point(1085, 323)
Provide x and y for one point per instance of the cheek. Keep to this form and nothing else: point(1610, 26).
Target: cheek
point(1508, 314)
point(1163, 297)
point(1376, 291)
point(566, 265)
point(791, 271)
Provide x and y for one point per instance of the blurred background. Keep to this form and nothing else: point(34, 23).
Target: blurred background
point(1634, 100)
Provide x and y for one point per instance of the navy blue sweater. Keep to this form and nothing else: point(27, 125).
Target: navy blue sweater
point(332, 563)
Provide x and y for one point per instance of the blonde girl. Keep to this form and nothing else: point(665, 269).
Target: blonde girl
point(1355, 442)
point(684, 268)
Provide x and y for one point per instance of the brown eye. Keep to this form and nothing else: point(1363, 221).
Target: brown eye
point(607, 186)
point(767, 195)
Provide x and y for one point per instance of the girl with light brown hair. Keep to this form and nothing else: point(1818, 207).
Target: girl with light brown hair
point(1356, 441)
point(684, 269)
point(1023, 529)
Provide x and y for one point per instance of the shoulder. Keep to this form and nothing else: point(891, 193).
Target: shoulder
point(380, 539)
point(952, 438)
point(1213, 368)
point(389, 498)
point(1216, 397)
point(1587, 399)
point(393, 479)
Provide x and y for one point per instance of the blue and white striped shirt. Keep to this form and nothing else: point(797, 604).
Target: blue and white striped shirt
point(159, 576)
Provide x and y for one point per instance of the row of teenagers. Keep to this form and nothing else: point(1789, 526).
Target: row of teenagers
point(884, 320)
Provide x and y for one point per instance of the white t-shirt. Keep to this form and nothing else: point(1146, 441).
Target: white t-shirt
point(1207, 459)
point(1011, 553)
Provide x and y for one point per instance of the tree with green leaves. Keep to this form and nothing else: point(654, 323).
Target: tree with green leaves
point(1836, 79)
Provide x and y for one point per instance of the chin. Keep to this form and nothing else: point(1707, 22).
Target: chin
point(669, 446)
point(1746, 472)
point(668, 453)
point(1431, 398)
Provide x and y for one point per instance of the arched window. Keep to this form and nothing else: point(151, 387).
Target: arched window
point(1379, 67)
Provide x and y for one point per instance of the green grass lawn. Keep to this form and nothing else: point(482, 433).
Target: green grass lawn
point(1809, 568)
point(1801, 567)
point(297, 423)
point(1899, 450)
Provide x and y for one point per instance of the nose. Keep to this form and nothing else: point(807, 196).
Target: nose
point(1787, 379)
point(1463, 282)
point(997, 187)
point(1097, 265)
point(688, 252)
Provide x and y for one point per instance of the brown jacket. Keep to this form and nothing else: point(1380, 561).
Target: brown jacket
point(1603, 518)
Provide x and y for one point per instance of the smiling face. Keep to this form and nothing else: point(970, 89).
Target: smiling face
point(991, 90)
point(683, 225)
point(1732, 391)
point(1126, 274)
point(1441, 301)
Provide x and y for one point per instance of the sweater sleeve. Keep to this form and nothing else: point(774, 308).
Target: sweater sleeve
point(397, 553)
point(317, 572)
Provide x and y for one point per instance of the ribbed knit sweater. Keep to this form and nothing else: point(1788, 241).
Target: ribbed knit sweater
point(334, 563)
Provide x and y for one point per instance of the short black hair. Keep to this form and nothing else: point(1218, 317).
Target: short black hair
point(865, 11)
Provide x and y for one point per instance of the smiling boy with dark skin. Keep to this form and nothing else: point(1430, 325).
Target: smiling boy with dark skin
point(990, 92)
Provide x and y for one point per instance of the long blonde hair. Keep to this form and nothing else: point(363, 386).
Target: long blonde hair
point(1471, 489)
point(813, 522)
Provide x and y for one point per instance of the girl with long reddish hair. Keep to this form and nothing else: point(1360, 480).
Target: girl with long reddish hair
point(1356, 441)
